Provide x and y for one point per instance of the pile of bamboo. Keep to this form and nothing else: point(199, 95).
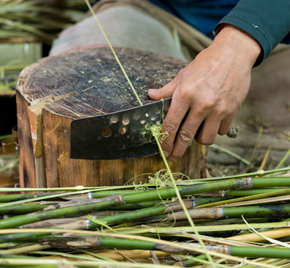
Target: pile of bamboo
point(37, 19)
point(240, 221)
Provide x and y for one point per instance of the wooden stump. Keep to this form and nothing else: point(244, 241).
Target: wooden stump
point(56, 90)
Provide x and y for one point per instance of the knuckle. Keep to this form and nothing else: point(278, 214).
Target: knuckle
point(180, 73)
point(185, 135)
point(207, 103)
point(185, 93)
point(170, 126)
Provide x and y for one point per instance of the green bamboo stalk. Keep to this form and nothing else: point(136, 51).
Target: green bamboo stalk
point(146, 196)
point(102, 194)
point(250, 192)
point(233, 212)
point(261, 197)
point(258, 252)
point(180, 246)
point(21, 209)
point(248, 252)
point(55, 213)
point(111, 243)
point(43, 197)
point(197, 201)
point(230, 184)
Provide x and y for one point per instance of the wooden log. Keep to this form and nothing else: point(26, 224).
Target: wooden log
point(83, 83)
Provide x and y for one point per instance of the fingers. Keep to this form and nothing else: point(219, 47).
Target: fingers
point(164, 92)
point(225, 125)
point(205, 127)
point(174, 117)
point(186, 134)
point(209, 131)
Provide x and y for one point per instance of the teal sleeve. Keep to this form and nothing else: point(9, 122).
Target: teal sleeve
point(268, 21)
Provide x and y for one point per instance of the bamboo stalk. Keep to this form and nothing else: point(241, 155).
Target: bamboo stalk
point(16, 197)
point(21, 209)
point(57, 213)
point(252, 198)
point(120, 255)
point(142, 197)
point(251, 192)
point(246, 211)
point(134, 237)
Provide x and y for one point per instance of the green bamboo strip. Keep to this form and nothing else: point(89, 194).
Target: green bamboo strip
point(76, 188)
point(201, 229)
point(43, 197)
point(24, 250)
point(250, 174)
point(16, 197)
point(66, 255)
point(64, 263)
point(30, 266)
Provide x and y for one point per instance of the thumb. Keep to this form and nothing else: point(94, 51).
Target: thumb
point(164, 92)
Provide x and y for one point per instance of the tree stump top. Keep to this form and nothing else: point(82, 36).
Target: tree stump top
point(89, 82)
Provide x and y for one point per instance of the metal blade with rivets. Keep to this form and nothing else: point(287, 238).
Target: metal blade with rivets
point(117, 135)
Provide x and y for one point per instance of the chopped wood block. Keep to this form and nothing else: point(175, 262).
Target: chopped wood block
point(84, 83)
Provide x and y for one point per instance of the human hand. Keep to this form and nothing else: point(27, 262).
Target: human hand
point(210, 90)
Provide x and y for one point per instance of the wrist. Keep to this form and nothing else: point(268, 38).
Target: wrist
point(243, 44)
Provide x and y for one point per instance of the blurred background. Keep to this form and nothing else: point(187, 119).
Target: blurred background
point(27, 30)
